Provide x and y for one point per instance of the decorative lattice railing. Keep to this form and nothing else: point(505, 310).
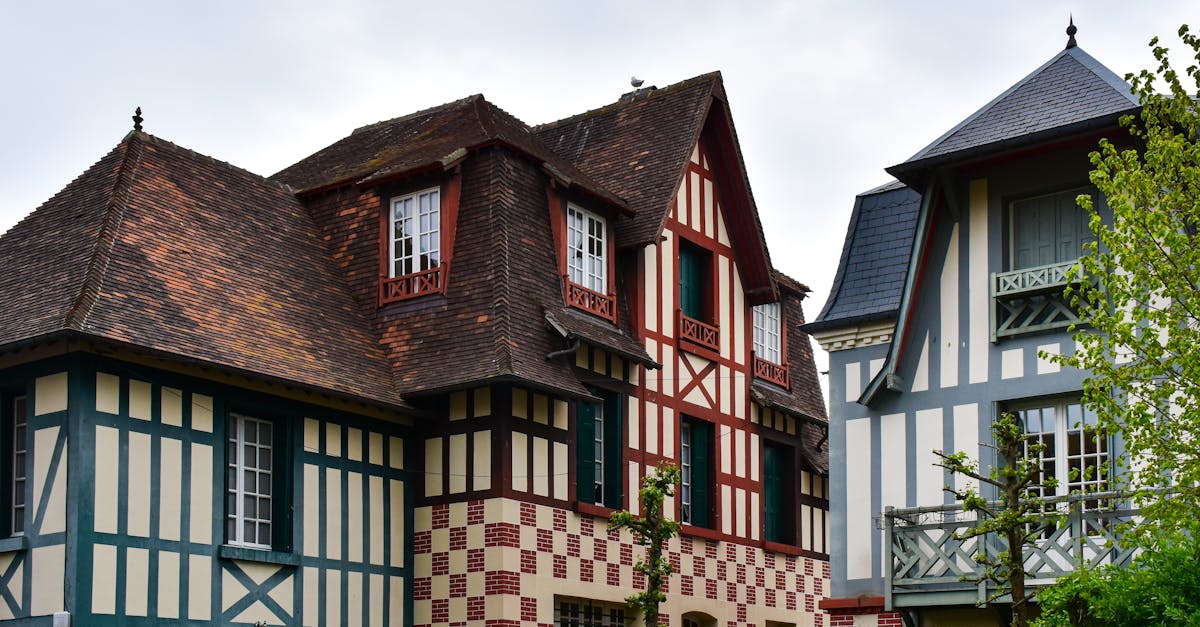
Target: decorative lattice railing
point(580, 297)
point(933, 563)
point(1030, 300)
point(696, 332)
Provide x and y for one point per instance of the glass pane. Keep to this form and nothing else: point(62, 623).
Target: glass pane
point(264, 533)
point(264, 459)
point(231, 529)
point(248, 531)
point(250, 456)
point(264, 508)
point(249, 507)
point(249, 483)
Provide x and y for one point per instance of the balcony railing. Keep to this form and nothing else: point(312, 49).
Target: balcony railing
point(1030, 300)
point(931, 565)
point(404, 287)
point(591, 301)
point(771, 371)
point(699, 333)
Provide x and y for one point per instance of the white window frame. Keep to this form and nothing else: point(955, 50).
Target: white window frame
point(1070, 420)
point(421, 213)
point(587, 233)
point(239, 466)
point(18, 408)
point(686, 478)
point(598, 460)
point(572, 612)
point(768, 332)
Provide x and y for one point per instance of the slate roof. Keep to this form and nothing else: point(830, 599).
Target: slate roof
point(427, 139)
point(161, 248)
point(874, 263)
point(1068, 91)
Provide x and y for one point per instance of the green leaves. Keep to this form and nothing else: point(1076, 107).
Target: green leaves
point(652, 530)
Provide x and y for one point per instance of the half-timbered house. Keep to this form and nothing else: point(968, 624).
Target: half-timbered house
point(405, 380)
point(946, 305)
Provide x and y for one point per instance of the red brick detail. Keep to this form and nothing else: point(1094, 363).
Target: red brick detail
point(730, 592)
point(422, 542)
point(741, 612)
point(573, 549)
point(791, 600)
point(441, 611)
point(585, 526)
point(687, 585)
point(808, 568)
point(528, 562)
point(626, 554)
point(600, 550)
point(685, 545)
point(639, 580)
point(441, 516)
point(545, 541)
point(845, 618)
point(502, 622)
point(476, 608)
point(698, 567)
point(502, 534)
point(458, 539)
point(741, 573)
point(422, 589)
point(528, 515)
point(760, 576)
point(441, 563)
point(501, 582)
point(769, 598)
point(585, 571)
point(769, 560)
point(723, 571)
point(528, 609)
point(674, 559)
point(475, 560)
point(780, 580)
point(560, 566)
point(752, 595)
point(710, 589)
point(458, 586)
point(476, 512)
point(560, 520)
point(710, 550)
point(614, 575)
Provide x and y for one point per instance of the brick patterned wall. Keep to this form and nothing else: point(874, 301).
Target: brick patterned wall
point(875, 616)
point(502, 562)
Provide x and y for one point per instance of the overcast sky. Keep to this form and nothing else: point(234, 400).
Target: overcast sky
point(824, 94)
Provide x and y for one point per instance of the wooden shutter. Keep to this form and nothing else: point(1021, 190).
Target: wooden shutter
point(613, 446)
point(773, 519)
point(1048, 229)
point(690, 276)
point(585, 442)
point(701, 473)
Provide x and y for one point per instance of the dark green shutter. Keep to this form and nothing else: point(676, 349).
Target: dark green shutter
point(690, 301)
point(282, 485)
point(773, 495)
point(613, 447)
point(585, 442)
point(701, 475)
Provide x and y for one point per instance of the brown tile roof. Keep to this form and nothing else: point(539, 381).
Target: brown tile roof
point(429, 139)
point(165, 249)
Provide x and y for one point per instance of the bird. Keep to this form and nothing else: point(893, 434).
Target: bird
point(635, 81)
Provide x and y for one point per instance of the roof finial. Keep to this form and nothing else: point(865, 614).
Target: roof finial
point(1071, 30)
point(137, 119)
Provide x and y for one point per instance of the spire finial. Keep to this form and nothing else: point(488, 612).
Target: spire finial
point(1071, 30)
point(137, 119)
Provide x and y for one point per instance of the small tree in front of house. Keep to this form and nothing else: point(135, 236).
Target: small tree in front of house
point(652, 529)
point(1018, 516)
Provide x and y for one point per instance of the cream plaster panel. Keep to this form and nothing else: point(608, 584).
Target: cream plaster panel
point(1044, 365)
point(978, 278)
point(708, 207)
point(966, 438)
point(873, 367)
point(541, 466)
point(921, 375)
point(560, 414)
point(739, 317)
point(170, 488)
point(137, 581)
point(483, 407)
point(139, 399)
point(653, 378)
point(581, 357)
point(108, 393)
point(722, 234)
point(333, 597)
point(312, 510)
point(650, 311)
point(396, 453)
point(311, 584)
point(694, 201)
point(893, 457)
point(481, 447)
point(108, 447)
point(541, 414)
point(652, 427)
point(333, 439)
point(633, 409)
point(375, 531)
point(396, 615)
point(104, 579)
point(202, 408)
point(709, 382)
point(723, 299)
point(458, 463)
point(55, 517)
point(739, 393)
point(171, 406)
point(15, 586)
point(138, 506)
point(375, 448)
point(312, 435)
point(667, 286)
point(396, 522)
point(50, 394)
point(931, 479)
point(333, 513)
point(754, 516)
point(859, 524)
point(458, 405)
point(853, 381)
point(520, 462)
point(740, 511)
point(375, 592)
point(520, 401)
point(562, 463)
point(201, 521)
point(354, 599)
point(354, 444)
point(1012, 363)
point(49, 565)
point(433, 467)
point(257, 613)
point(635, 505)
point(726, 453)
point(739, 453)
point(670, 428)
point(696, 154)
point(726, 509)
point(754, 463)
point(168, 585)
point(354, 517)
point(199, 587)
point(949, 314)
point(725, 381)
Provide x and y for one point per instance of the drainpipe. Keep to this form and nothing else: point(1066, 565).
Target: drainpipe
point(566, 351)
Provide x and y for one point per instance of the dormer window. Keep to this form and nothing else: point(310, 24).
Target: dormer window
point(414, 245)
point(769, 362)
point(587, 263)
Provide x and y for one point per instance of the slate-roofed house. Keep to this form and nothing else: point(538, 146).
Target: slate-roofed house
point(949, 292)
point(405, 380)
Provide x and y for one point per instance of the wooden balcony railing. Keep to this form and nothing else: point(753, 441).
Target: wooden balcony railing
point(1031, 300)
point(699, 333)
point(933, 564)
point(404, 287)
point(773, 372)
point(591, 301)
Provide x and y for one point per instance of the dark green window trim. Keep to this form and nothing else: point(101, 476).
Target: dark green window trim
point(247, 554)
point(598, 447)
point(696, 454)
point(779, 514)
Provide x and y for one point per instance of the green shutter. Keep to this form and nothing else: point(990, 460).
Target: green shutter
point(690, 291)
point(701, 474)
point(772, 494)
point(613, 447)
point(1048, 229)
point(585, 436)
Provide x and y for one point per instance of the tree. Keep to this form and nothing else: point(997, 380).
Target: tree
point(652, 530)
point(1139, 292)
point(1018, 516)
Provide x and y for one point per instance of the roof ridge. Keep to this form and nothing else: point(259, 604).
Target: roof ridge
point(713, 76)
point(166, 143)
point(425, 111)
point(1104, 73)
point(106, 238)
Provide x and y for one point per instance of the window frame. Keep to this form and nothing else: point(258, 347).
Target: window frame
point(608, 440)
point(14, 462)
point(579, 249)
point(1061, 456)
point(1011, 222)
point(281, 482)
point(696, 440)
point(773, 353)
point(589, 613)
point(436, 225)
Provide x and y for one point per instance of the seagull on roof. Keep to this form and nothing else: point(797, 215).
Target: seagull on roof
point(635, 81)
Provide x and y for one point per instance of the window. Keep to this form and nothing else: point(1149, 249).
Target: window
point(585, 613)
point(598, 450)
point(767, 344)
point(587, 247)
point(1076, 452)
point(694, 267)
point(415, 241)
point(256, 488)
point(695, 485)
point(779, 510)
point(13, 413)
point(1048, 229)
